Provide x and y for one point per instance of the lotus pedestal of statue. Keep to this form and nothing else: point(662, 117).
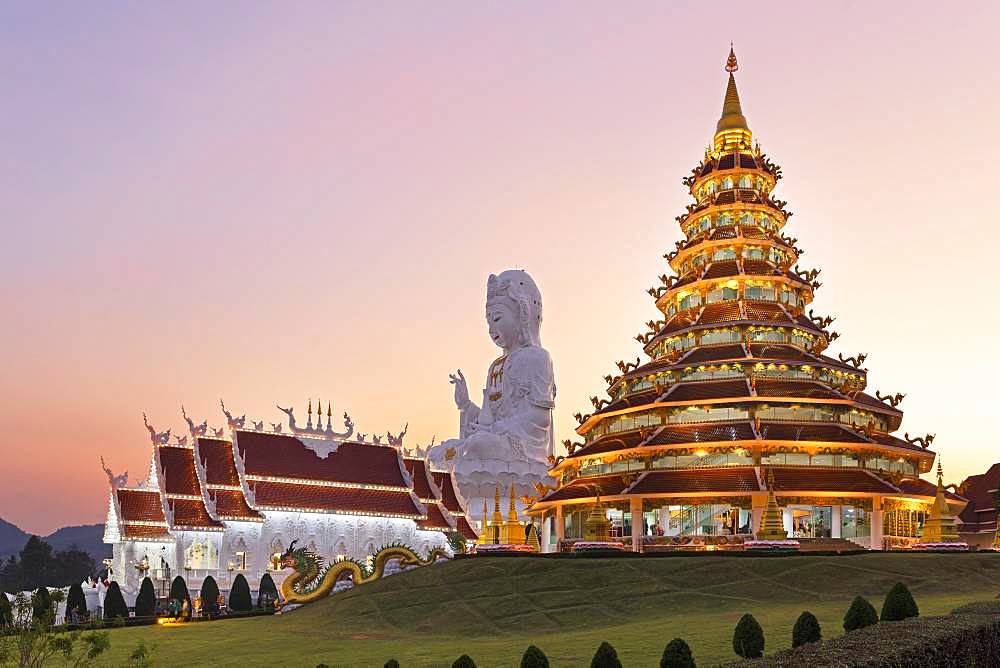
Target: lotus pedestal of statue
point(507, 439)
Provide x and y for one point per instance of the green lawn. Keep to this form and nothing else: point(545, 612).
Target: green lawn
point(492, 608)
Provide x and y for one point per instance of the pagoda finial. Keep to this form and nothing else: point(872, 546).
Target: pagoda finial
point(310, 409)
point(731, 64)
point(940, 474)
point(496, 500)
point(511, 495)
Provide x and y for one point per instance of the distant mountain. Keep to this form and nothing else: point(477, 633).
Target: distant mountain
point(87, 538)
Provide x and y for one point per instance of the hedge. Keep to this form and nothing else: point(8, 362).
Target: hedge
point(677, 654)
point(534, 658)
point(859, 615)
point(605, 657)
point(179, 590)
point(748, 638)
point(209, 596)
point(239, 595)
point(145, 602)
point(76, 599)
point(806, 630)
point(953, 641)
point(267, 593)
point(41, 601)
point(464, 661)
point(899, 604)
point(114, 603)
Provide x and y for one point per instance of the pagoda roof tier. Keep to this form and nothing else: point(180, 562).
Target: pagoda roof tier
point(158, 534)
point(141, 515)
point(921, 487)
point(980, 515)
point(586, 488)
point(463, 527)
point(814, 479)
point(701, 481)
point(273, 495)
point(218, 463)
point(349, 463)
point(731, 314)
point(177, 466)
point(716, 434)
point(449, 497)
point(423, 484)
point(736, 232)
point(191, 514)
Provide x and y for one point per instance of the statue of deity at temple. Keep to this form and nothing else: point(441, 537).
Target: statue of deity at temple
point(514, 423)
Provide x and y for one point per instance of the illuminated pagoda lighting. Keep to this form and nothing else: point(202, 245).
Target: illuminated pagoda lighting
point(737, 389)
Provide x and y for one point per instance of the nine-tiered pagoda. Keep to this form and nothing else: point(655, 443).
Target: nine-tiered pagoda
point(737, 391)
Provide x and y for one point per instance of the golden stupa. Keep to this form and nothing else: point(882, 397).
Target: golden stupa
point(771, 526)
point(940, 526)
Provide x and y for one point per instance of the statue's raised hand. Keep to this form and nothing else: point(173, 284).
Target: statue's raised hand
point(461, 389)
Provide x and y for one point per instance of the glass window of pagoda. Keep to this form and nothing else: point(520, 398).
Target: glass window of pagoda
point(725, 220)
point(745, 181)
point(727, 183)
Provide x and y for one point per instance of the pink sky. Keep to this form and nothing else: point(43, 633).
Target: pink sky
point(267, 205)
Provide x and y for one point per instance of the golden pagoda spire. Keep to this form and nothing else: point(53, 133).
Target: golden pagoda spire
point(512, 511)
point(939, 527)
point(732, 130)
point(772, 527)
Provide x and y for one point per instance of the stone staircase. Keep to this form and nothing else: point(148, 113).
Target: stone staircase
point(828, 545)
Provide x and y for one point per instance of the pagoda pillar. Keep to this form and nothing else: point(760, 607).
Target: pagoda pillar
point(560, 526)
point(546, 534)
point(635, 507)
point(876, 524)
point(836, 522)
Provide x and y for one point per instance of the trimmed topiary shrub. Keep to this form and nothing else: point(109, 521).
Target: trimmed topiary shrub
point(239, 595)
point(41, 602)
point(605, 657)
point(806, 630)
point(114, 603)
point(179, 590)
point(859, 615)
point(391, 663)
point(76, 599)
point(145, 602)
point(209, 596)
point(677, 654)
point(748, 639)
point(6, 611)
point(267, 593)
point(534, 658)
point(899, 604)
point(464, 661)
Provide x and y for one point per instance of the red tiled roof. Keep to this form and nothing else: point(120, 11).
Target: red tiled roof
point(449, 498)
point(719, 313)
point(140, 505)
point(922, 487)
point(703, 433)
point(610, 443)
point(463, 527)
point(741, 479)
point(581, 488)
point(191, 513)
point(436, 520)
point(979, 515)
point(868, 400)
point(287, 457)
point(794, 388)
point(763, 311)
point(277, 495)
point(801, 479)
point(722, 269)
point(713, 354)
point(423, 486)
point(889, 439)
point(231, 504)
point(717, 389)
point(217, 455)
point(145, 532)
point(779, 351)
point(179, 475)
point(790, 431)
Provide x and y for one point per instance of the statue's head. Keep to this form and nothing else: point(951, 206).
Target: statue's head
point(513, 310)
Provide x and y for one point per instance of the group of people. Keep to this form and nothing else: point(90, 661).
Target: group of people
point(179, 608)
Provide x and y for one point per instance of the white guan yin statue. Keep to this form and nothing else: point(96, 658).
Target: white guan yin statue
point(509, 438)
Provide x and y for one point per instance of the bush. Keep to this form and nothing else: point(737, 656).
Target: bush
point(114, 603)
point(605, 657)
point(76, 599)
point(267, 593)
point(239, 595)
point(41, 602)
point(899, 604)
point(391, 663)
point(209, 595)
point(464, 661)
point(6, 611)
point(145, 602)
point(534, 658)
point(179, 590)
point(677, 654)
point(806, 629)
point(748, 639)
point(859, 615)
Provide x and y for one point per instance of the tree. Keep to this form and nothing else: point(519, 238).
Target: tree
point(899, 604)
point(605, 657)
point(748, 639)
point(36, 562)
point(239, 595)
point(69, 566)
point(145, 602)
point(76, 600)
point(114, 603)
point(534, 658)
point(179, 590)
point(677, 654)
point(267, 593)
point(209, 596)
point(12, 576)
point(6, 612)
point(806, 630)
point(41, 603)
point(860, 614)
point(33, 642)
point(464, 661)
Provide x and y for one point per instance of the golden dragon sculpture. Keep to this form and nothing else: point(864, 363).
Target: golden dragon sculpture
point(312, 581)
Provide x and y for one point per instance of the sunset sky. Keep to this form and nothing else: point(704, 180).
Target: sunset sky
point(267, 202)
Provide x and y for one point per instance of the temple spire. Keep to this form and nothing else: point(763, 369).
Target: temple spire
point(732, 128)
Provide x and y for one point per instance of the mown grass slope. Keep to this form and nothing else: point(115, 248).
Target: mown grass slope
point(492, 608)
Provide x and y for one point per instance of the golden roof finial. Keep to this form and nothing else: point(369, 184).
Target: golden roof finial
point(940, 474)
point(512, 495)
point(310, 410)
point(731, 64)
point(329, 409)
point(496, 500)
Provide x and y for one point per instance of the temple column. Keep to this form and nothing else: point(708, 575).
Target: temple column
point(546, 534)
point(876, 535)
point(786, 520)
point(836, 522)
point(635, 507)
point(560, 527)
